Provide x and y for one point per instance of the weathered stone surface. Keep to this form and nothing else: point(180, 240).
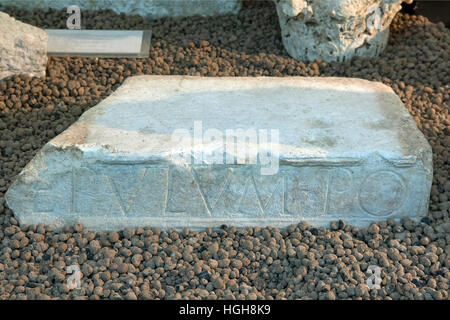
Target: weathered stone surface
point(347, 149)
point(335, 30)
point(23, 48)
point(148, 8)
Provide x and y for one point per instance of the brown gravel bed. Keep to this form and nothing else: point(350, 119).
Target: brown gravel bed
point(301, 262)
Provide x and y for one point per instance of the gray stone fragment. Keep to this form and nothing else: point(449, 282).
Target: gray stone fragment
point(23, 48)
point(146, 8)
point(335, 30)
point(347, 149)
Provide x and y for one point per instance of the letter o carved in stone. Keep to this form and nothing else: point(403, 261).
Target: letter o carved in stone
point(382, 193)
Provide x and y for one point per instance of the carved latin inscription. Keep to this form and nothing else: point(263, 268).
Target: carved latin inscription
point(124, 190)
point(382, 193)
point(133, 190)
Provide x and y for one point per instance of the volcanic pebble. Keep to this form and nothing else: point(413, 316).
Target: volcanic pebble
point(299, 262)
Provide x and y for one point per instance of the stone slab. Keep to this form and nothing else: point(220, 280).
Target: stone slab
point(346, 149)
point(99, 43)
point(23, 48)
point(146, 8)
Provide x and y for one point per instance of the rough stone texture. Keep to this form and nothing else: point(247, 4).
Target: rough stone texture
point(335, 30)
point(348, 149)
point(23, 48)
point(148, 8)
